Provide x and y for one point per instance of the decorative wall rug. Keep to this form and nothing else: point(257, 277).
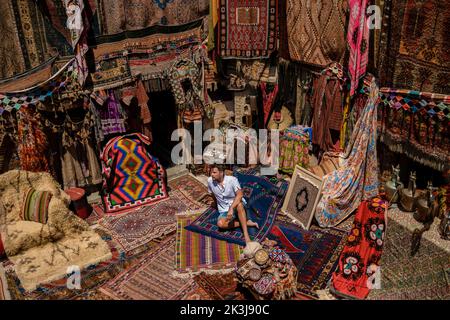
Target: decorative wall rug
point(316, 31)
point(247, 28)
point(196, 252)
point(150, 278)
point(134, 229)
point(315, 253)
point(264, 201)
point(132, 176)
point(120, 15)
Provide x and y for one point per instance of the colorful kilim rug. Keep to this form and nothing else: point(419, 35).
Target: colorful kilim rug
point(247, 28)
point(196, 252)
point(360, 260)
point(264, 200)
point(150, 278)
point(316, 31)
point(428, 115)
point(132, 176)
point(136, 228)
point(408, 58)
point(315, 253)
point(187, 184)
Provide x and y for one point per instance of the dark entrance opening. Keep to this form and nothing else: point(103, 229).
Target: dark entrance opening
point(164, 122)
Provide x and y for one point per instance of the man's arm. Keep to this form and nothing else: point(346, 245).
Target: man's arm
point(237, 199)
point(214, 199)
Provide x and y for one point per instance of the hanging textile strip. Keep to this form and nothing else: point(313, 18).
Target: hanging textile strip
point(32, 141)
point(358, 40)
point(327, 102)
point(268, 100)
point(247, 28)
point(123, 16)
point(31, 96)
point(357, 178)
point(29, 78)
point(417, 124)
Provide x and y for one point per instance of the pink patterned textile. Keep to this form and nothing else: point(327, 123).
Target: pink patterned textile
point(358, 41)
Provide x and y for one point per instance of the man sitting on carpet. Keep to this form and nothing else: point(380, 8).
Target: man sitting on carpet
point(230, 201)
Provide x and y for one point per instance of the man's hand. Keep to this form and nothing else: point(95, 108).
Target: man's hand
point(230, 214)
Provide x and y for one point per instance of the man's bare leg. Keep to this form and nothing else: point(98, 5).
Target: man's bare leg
point(225, 224)
point(242, 216)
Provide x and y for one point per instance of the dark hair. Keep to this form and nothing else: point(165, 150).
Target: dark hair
point(219, 167)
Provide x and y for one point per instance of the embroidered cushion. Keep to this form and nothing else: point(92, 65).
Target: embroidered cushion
point(35, 206)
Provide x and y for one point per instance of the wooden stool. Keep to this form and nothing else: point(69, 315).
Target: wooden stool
point(79, 204)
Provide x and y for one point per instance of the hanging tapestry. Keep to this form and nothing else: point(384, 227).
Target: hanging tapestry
point(247, 28)
point(79, 160)
point(316, 31)
point(359, 263)
point(147, 54)
point(294, 149)
point(125, 15)
point(59, 82)
point(417, 124)
point(112, 116)
point(357, 178)
point(31, 40)
point(28, 79)
point(414, 46)
point(32, 142)
point(268, 99)
point(112, 72)
point(132, 176)
point(327, 102)
point(358, 41)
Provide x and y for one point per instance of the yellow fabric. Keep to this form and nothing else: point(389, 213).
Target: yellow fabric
point(345, 122)
point(213, 19)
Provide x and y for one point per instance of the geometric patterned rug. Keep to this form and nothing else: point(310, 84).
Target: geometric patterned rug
point(136, 228)
point(189, 185)
point(196, 253)
point(422, 277)
point(149, 278)
point(314, 252)
point(213, 287)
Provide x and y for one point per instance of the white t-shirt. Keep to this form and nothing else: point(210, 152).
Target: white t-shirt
point(224, 194)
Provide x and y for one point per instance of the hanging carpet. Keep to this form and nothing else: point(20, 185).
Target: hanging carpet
point(247, 28)
point(132, 176)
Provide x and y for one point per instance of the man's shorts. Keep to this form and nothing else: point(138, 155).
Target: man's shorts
point(223, 214)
